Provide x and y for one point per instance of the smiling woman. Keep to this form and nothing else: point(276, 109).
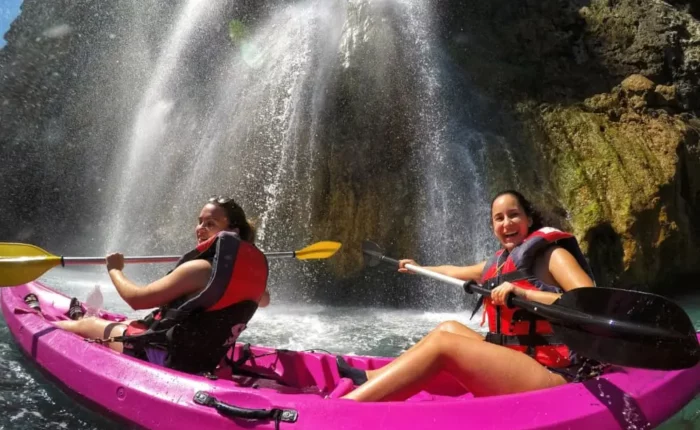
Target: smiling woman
point(519, 353)
point(214, 289)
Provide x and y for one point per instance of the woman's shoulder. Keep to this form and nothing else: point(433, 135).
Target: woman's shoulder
point(193, 270)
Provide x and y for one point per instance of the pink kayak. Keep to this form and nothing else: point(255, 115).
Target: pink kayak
point(299, 390)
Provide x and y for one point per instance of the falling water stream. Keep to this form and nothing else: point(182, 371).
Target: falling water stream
point(251, 121)
point(261, 117)
point(245, 125)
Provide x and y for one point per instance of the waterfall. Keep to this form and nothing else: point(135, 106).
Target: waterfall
point(258, 119)
point(146, 169)
point(450, 144)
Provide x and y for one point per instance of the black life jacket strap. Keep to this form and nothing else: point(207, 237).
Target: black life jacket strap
point(151, 338)
point(246, 355)
point(532, 339)
point(523, 315)
point(158, 333)
point(529, 340)
point(176, 315)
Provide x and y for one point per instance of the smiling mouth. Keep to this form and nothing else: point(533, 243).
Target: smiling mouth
point(511, 234)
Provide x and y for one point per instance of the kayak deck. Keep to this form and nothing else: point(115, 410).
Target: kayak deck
point(285, 371)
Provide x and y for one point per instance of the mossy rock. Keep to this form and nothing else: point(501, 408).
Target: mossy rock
point(620, 181)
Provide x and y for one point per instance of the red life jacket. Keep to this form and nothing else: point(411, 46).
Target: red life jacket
point(196, 333)
point(516, 328)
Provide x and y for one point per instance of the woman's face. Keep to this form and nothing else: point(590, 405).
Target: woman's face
point(510, 223)
point(212, 219)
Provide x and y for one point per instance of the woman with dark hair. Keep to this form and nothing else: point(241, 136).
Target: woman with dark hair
point(519, 353)
point(203, 303)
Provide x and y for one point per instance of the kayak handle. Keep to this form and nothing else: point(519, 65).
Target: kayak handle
point(232, 411)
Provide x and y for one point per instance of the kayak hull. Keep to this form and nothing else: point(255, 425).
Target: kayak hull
point(299, 383)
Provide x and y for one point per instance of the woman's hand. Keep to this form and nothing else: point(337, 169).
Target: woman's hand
point(115, 261)
point(500, 293)
point(403, 263)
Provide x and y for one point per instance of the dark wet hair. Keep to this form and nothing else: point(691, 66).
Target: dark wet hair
point(236, 217)
point(530, 211)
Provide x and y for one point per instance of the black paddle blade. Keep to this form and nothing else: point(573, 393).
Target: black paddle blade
point(670, 341)
point(372, 253)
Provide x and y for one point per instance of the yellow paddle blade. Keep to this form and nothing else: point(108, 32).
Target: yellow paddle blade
point(8, 250)
point(318, 250)
point(21, 263)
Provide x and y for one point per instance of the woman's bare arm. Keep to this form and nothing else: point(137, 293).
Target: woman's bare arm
point(187, 278)
point(557, 267)
point(565, 270)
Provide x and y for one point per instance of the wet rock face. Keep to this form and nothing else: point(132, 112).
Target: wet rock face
point(67, 76)
point(570, 49)
point(619, 162)
point(608, 93)
point(656, 39)
point(59, 112)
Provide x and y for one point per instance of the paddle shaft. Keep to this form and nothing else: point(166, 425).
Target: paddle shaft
point(560, 314)
point(72, 261)
point(281, 254)
point(69, 261)
point(75, 261)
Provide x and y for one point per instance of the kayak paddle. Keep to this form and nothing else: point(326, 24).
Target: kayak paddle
point(622, 327)
point(21, 263)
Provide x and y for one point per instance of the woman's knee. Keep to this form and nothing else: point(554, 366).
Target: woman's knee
point(446, 343)
point(451, 327)
point(458, 328)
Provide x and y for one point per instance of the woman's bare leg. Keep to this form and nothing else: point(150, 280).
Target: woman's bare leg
point(94, 328)
point(483, 368)
point(453, 327)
